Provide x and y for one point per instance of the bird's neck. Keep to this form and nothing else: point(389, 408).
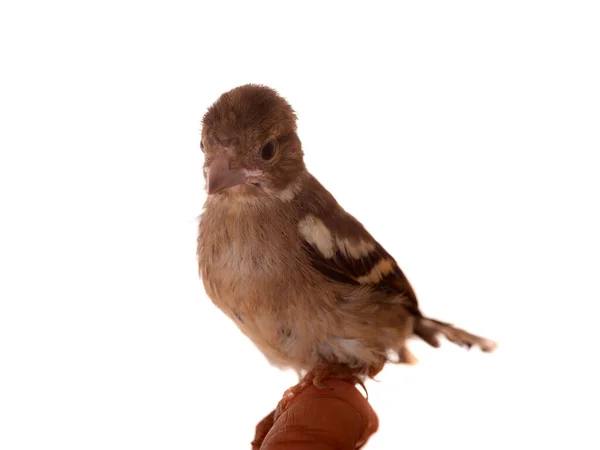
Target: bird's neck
point(249, 204)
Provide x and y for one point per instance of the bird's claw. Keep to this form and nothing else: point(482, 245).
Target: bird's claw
point(318, 384)
point(315, 377)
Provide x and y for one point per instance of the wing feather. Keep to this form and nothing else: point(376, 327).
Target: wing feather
point(340, 248)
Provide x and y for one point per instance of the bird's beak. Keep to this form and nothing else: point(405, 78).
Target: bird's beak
point(221, 176)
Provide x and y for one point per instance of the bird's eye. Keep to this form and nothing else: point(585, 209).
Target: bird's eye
point(202, 145)
point(268, 150)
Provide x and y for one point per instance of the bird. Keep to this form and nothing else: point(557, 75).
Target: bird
point(300, 276)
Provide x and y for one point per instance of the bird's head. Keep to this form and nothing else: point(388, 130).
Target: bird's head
point(250, 144)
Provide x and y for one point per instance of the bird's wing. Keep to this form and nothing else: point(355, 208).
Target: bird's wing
point(340, 248)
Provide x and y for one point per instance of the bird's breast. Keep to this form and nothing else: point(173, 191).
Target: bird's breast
point(243, 255)
point(247, 264)
point(254, 269)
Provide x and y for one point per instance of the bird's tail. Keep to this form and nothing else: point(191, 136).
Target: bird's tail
point(430, 329)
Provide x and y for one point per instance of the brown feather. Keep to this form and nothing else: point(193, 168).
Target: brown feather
point(300, 276)
point(317, 201)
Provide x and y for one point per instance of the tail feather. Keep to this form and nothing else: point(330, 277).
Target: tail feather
point(430, 329)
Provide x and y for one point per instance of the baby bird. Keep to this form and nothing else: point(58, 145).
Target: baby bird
point(300, 276)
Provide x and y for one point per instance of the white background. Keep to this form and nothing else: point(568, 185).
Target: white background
point(465, 135)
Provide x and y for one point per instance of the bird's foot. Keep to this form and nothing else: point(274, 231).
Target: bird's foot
point(315, 377)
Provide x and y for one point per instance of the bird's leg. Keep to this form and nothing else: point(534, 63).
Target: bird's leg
point(315, 377)
point(375, 369)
